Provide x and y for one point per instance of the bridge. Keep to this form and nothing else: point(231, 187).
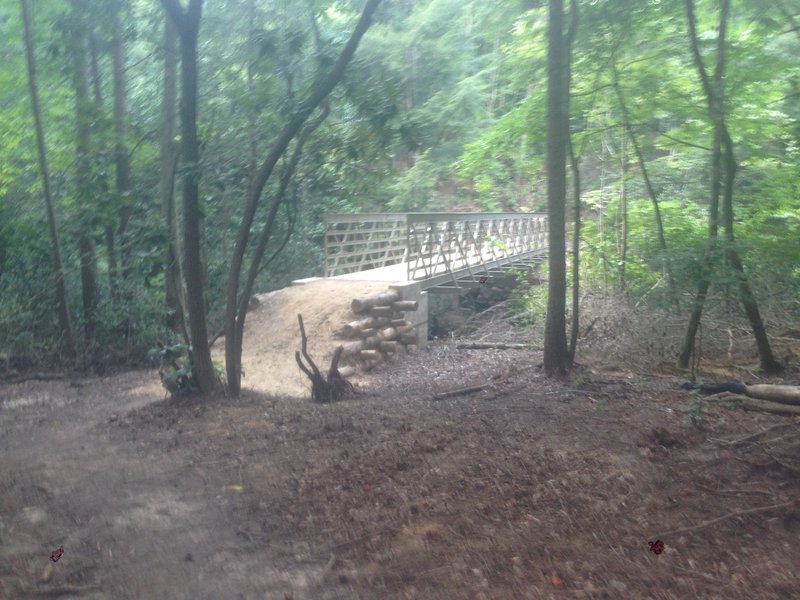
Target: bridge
point(379, 272)
point(444, 252)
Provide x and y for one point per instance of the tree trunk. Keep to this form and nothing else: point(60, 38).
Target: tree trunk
point(110, 217)
point(188, 25)
point(622, 218)
point(236, 307)
point(574, 163)
point(122, 156)
point(68, 340)
point(167, 163)
point(556, 355)
point(723, 166)
point(83, 174)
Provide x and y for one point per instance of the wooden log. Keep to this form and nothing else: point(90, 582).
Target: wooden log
point(366, 333)
point(399, 322)
point(381, 311)
point(409, 338)
point(363, 304)
point(747, 403)
point(389, 346)
point(353, 328)
point(352, 348)
point(387, 334)
point(370, 354)
point(405, 329)
point(460, 392)
point(371, 342)
point(785, 394)
point(347, 371)
point(405, 305)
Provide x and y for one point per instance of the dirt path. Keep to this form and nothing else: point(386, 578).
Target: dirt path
point(526, 489)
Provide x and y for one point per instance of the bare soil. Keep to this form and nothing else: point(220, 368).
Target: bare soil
point(528, 488)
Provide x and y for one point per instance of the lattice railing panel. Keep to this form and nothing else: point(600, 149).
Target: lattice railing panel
point(363, 241)
point(430, 244)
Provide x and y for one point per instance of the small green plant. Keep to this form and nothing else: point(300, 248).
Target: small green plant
point(694, 412)
point(600, 407)
point(175, 368)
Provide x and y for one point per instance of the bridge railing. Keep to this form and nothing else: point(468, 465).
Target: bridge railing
point(431, 244)
point(357, 242)
point(441, 243)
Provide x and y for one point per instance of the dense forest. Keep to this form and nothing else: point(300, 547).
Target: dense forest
point(160, 161)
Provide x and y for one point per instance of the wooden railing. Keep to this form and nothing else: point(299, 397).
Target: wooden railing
point(432, 245)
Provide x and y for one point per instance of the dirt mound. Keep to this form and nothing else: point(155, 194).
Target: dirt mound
point(272, 336)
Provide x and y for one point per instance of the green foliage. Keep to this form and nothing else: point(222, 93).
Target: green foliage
point(442, 108)
point(528, 300)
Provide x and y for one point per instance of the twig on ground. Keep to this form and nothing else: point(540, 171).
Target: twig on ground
point(460, 392)
point(738, 513)
point(732, 492)
point(753, 436)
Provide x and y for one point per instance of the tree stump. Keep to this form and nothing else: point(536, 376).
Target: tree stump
point(330, 389)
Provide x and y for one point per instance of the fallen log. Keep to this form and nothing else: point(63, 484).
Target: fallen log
point(405, 305)
point(785, 394)
point(389, 346)
point(460, 392)
point(405, 329)
point(367, 333)
point(381, 311)
point(748, 403)
point(493, 346)
point(399, 322)
point(363, 304)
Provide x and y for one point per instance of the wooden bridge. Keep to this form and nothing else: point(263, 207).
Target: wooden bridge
point(442, 252)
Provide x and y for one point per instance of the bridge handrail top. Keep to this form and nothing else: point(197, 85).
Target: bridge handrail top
point(417, 217)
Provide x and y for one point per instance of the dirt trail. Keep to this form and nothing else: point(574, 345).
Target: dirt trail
point(529, 488)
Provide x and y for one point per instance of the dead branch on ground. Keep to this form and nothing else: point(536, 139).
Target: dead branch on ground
point(738, 513)
point(460, 392)
point(493, 346)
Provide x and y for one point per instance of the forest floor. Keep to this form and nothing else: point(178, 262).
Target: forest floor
point(528, 488)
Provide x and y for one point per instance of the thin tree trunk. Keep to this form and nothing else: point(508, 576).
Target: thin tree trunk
point(576, 187)
point(173, 289)
point(266, 232)
point(651, 192)
point(68, 340)
point(83, 175)
point(110, 238)
point(556, 354)
point(188, 25)
point(122, 156)
point(622, 218)
point(766, 358)
point(722, 151)
point(233, 341)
